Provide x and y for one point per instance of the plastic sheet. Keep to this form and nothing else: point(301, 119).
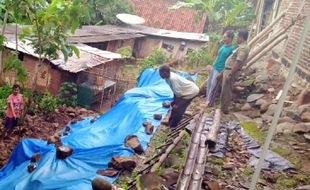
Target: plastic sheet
point(273, 161)
point(94, 144)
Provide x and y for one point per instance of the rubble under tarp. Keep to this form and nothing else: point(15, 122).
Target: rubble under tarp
point(93, 143)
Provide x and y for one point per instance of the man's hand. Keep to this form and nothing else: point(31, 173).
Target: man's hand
point(219, 76)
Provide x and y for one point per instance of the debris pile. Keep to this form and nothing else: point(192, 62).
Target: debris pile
point(40, 126)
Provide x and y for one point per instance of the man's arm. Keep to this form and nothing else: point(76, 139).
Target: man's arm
point(237, 66)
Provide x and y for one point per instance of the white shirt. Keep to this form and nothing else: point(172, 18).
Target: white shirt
point(181, 87)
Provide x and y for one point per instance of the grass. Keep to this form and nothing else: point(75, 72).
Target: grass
point(285, 182)
point(216, 161)
point(251, 129)
point(248, 171)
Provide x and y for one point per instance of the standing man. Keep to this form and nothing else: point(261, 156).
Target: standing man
point(184, 92)
point(232, 69)
point(216, 74)
point(14, 108)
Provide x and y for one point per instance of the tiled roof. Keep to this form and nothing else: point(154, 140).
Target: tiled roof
point(157, 14)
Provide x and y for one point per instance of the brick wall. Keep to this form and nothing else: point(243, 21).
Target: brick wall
point(291, 12)
point(48, 75)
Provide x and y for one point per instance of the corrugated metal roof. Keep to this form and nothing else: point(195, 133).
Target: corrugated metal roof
point(171, 34)
point(95, 34)
point(89, 56)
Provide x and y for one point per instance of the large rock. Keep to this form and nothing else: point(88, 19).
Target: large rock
point(123, 163)
point(170, 176)
point(306, 117)
point(246, 107)
point(302, 128)
point(303, 108)
point(264, 107)
point(271, 109)
point(285, 128)
point(304, 97)
point(133, 142)
point(286, 120)
point(254, 97)
point(150, 181)
point(101, 184)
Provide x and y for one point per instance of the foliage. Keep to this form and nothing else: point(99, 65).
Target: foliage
point(50, 24)
point(48, 103)
point(195, 58)
point(104, 11)
point(157, 57)
point(67, 94)
point(221, 13)
point(12, 63)
point(125, 51)
point(5, 91)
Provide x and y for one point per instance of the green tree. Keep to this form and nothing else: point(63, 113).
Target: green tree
point(105, 11)
point(221, 13)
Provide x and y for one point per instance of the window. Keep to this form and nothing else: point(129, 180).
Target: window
point(168, 47)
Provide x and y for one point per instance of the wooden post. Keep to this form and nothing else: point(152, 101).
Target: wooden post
point(213, 131)
point(260, 16)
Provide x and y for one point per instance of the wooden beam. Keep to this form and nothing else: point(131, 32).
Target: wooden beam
point(213, 131)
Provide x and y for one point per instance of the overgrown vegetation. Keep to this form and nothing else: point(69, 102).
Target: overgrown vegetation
point(104, 11)
point(157, 57)
point(67, 94)
point(222, 13)
point(48, 103)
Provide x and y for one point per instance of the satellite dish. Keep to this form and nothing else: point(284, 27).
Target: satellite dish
point(130, 19)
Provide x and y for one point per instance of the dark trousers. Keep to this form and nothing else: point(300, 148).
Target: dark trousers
point(10, 123)
point(179, 106)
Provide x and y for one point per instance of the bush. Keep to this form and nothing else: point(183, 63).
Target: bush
point(5, 91)
point(67, 94)
point(157, 57)
point(48, 103)
point(3, 103)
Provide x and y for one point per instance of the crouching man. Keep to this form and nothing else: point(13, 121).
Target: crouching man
point(184, 92)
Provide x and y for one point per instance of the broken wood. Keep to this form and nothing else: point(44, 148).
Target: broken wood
point(107, 172)
point(213, 131)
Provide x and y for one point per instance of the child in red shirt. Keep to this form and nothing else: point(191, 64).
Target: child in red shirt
point(14, 108)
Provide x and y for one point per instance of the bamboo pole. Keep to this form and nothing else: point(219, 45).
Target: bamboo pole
point(185, 177)
point(199, 168)
point(260, 16)
point(167, 152)
point(266, 30)
point(280, 104)
point(275, 9)
point(259, 48)
point(213, 131)
point(267, 49)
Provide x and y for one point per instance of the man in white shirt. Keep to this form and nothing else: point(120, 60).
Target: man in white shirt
point(184, 92)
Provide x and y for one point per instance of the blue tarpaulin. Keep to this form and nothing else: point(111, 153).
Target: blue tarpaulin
point(94, 144)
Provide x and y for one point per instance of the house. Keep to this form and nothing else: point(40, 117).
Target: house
point(96, 72)
point(158, 15)
point(176, 44)
point(106, 37)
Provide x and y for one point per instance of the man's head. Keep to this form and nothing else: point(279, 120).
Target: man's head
point(16, 89)
point(228, 36)
point(164, 71)
point(242, 36)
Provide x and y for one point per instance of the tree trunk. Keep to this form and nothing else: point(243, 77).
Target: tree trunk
point(5, 20)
